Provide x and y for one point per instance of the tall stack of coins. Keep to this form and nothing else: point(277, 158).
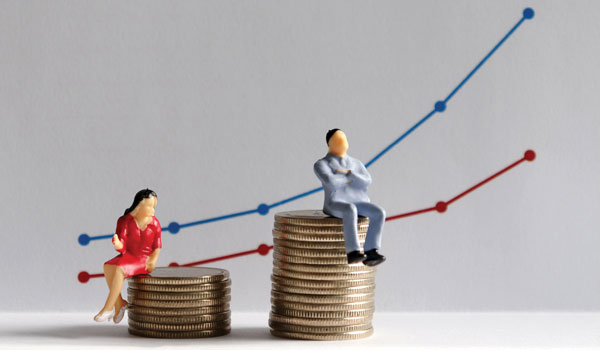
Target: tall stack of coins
point(180, 302)
point(316, 294)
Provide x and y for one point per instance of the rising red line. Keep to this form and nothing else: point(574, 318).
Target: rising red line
point(486, 181)
point(264, 249)
point(389, 218)
point(84, 276)
point(442, 206)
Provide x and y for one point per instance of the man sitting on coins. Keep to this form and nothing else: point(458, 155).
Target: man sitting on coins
point(345, 181)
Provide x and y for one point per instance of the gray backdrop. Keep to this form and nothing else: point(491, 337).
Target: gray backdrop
point(222, 105)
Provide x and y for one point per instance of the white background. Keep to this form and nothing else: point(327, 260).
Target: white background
point(219, 106)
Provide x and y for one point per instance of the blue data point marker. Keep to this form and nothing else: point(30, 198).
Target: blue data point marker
point(440, 106)
point(528, 13)
point(84, 239)
point(173, 227)
point(263, 209)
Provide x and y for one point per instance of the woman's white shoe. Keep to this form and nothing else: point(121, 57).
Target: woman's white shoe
point(120, 315)
point(105, 316)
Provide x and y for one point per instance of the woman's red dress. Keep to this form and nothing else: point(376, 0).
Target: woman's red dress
point(137, 245)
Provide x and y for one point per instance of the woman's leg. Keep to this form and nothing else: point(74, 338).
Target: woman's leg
point(120, 302)
point(109, 271)
point(114, 278)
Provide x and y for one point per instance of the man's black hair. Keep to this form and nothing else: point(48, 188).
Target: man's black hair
point(140, 197)
point(329, 134)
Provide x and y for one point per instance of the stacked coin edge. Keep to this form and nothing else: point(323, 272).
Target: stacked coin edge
point(185, 307)
point(316, 294)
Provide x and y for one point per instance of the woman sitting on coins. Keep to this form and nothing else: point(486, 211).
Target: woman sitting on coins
point(138, 241)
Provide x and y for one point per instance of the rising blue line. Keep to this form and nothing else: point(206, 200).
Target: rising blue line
point(408, 132)
point(218, 218)
point(263, 209)
point(101, 237)
point(484, 59)
point(298, 196)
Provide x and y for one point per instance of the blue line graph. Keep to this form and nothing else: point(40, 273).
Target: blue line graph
point(263, 209)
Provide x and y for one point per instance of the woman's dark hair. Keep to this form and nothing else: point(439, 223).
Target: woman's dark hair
point(140, 197)
point(329, 134)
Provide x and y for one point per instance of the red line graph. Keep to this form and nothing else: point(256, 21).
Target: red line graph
point(441, 206)
point(264, 249)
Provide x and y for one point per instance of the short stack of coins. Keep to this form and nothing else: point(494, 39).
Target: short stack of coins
point(180, 302)
point(316, 294)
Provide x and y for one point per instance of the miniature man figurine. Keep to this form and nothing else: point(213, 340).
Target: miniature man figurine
point(345, 181)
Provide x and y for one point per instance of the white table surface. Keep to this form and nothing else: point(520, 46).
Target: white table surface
point(485, 330)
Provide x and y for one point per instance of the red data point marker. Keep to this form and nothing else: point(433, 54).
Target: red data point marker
point(441, 207)
point(530, 155)
point(263, 249)
point(83, 277)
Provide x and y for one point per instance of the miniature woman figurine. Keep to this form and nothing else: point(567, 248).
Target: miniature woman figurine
point(345, 181)
point(138, 241)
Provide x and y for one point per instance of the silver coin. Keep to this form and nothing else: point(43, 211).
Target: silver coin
point(177, 335)
point(322, 299)
point(183, 288)
point(180, 319)
point(320, 322)
point(293, 282)
point(182, 275)
point(337, 336)
point(322, 291)
point(322, 268)
point(314, 276)
point(317, 230)
point(312, 218)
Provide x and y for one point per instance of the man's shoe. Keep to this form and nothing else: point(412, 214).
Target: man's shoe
point(373, 258)
point(355, 257)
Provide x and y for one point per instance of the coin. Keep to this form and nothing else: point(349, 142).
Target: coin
point(178, 312)
point(315, 230)
point(182, 275)
point(318, 330)
point(179, 327)
point(311, 253)
point(321, 314)
point(180, 319)
point(333, 336)
point(311, 292)
point(369, 304)
point(184, 288)
point(322, 268)
point(310, 245)
point(314, 237)
point(322, 299)
point(211, 294)
point(178, 303)
point(312, 218)
point(293, 282)
point(173, 335)
point(323, 276)
point(318, 322)
point(310, 261)
point(315, 293)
